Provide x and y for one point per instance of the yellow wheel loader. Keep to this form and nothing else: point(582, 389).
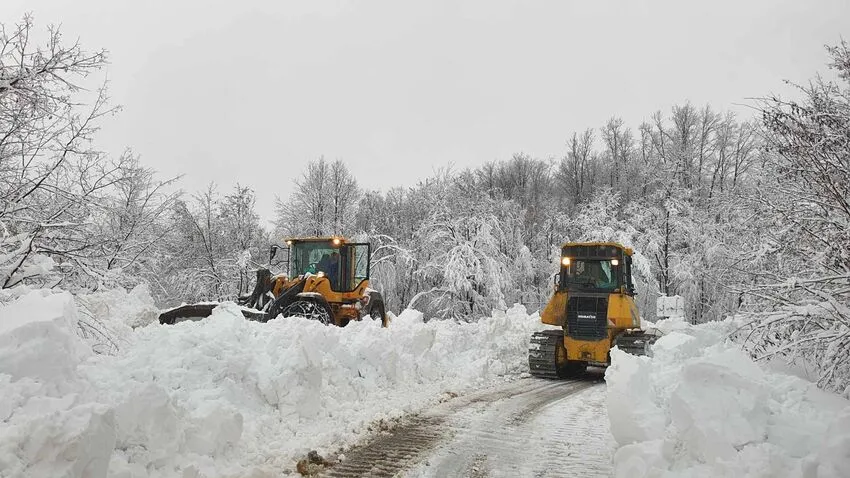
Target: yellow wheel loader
point(593, 306)
point(326, 279)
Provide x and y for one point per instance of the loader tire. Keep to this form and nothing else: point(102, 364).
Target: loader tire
point(547, 356)
point(309, 309)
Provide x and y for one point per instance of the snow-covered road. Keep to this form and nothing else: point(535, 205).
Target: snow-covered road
point(530, 427)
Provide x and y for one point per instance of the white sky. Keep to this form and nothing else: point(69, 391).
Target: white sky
point(249, 91)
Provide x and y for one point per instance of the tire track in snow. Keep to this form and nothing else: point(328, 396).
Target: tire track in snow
point(388, 454)
point(576, 440)
point(547, 433)
point(531, 427)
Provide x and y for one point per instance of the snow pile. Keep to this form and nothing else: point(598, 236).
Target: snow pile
point(225, 396)
point(701, 407)
point(49, 427)
point(108, 317)
point(132, 309)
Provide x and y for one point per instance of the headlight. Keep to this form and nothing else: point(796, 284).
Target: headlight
point(565, 261)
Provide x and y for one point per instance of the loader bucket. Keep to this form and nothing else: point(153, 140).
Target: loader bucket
point(186, 312)
point(202, 311)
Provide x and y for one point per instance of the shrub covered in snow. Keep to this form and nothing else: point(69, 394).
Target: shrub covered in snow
point(107, 317)
point(816, 334)
point(701, 407)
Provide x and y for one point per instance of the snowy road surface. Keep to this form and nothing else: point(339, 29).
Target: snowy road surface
point(530, 427)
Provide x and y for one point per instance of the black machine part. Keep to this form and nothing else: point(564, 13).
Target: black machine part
point(587, 315)
point(636, 342)
point(259, 305)
point(376, 308)
point(547, 356)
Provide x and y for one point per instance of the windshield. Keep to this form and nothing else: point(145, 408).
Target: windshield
point(591, 273)
point(313, 257)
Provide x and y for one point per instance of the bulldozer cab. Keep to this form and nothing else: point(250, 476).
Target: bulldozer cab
point(346, 265)
point(595, 268)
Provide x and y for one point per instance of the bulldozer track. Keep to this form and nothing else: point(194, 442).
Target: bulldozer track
point(541, 362)
point(483, 434)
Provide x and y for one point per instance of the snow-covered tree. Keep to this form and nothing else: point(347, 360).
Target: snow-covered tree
point(69, 213)
point(324, 201)
point(804, 262)
point(216, 244)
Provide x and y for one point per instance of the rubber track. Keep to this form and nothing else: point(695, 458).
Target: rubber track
point(541, 353)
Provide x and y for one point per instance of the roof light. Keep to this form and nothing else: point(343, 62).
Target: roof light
point(289, 242)
point(615, 262)
point(336, 241)
point(565, 261)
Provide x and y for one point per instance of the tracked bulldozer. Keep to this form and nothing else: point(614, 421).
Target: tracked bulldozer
point(594, 309)
point(326, 279)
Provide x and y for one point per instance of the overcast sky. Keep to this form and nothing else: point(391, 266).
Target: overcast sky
point(249, 91)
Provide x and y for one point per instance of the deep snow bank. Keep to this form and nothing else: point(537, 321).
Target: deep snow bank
point(226, 396)
point(701, 407)
point(48, 424)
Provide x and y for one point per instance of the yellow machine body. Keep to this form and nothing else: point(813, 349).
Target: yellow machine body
point(344, 305)
point(334, 289)
point(593, 306)
point(622, 315)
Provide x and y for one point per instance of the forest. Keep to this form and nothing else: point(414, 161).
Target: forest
point(745, 216)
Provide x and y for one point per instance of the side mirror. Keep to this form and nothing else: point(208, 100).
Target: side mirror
point(272, 253)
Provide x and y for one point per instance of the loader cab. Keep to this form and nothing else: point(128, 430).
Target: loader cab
point(598, 267)
point(345, 264)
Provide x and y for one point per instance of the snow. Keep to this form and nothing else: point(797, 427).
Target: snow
point(668, 307)
point(134, 308)
point(109, 317)
point(49, 429)
point(224, 396)
point(701, 407)
point(229, 397)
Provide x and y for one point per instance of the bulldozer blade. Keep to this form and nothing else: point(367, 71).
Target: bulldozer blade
point(201, 311)
point(637, 342)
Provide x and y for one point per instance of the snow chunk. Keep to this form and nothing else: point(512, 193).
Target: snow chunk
point(38, 339)
point(132, 309)
point(48, 429)
point(634, 417)
point(701, 407)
